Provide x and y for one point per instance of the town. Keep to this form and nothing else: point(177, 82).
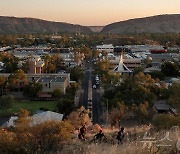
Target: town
point(82, 79)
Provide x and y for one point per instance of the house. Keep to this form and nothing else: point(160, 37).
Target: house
point(51, 83)
point(46, 116)
point(36, 118)
point(161, 107)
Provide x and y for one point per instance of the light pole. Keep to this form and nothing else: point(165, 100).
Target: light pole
point(107, 116)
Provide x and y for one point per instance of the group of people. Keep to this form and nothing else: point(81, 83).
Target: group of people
point(99, 136)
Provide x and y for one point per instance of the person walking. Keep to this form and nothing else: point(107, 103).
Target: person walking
point(82, 132)
point(98, 137)
point(120, 135)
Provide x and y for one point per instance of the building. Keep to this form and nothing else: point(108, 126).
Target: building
point(51, 83)
point(37, 118)
point(36, 65)
point(130, 62)
point(162, 107)
point(122, 68)
point(105, 48)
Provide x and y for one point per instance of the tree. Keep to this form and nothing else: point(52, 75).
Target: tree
point(134, 90)
point(10, 62)
point(157, 74)
point(102, 68)
point(174, 98)
point(2, 83)
point(95, 54)
point(43, 137)
point(117, 114)
point(170, 69)
point(57, 93)
point(6, 102)
point(32, 89)
point(76, 74)
point(142, 111)
point(53, 63)
point(65, 106)
point(80, 117)
point(17, 78)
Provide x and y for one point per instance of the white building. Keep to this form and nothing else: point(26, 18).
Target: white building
point(105, 47)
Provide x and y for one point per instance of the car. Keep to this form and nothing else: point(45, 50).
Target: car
point(97, 82)
point(97, 78)
point(94, 86)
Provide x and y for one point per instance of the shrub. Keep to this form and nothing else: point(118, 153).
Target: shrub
point(165, 121)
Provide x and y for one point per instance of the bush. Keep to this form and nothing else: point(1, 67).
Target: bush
point(65, 106)
point(165, 121)
point(6, 102)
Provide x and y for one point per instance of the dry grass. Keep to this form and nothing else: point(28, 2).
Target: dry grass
point(132, 143)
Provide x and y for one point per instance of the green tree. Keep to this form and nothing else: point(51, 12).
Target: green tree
point(10, 62)
point(17, 79)
point(65, 106)
point(174, 98)
point(142, 111)
point(6, 101)
point(76, 74)
point(157, 74)
point(32, 89)
point(2, 83)
point(170, 69)
point(57, 93)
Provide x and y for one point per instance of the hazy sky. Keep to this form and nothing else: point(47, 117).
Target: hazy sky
point(88, 12)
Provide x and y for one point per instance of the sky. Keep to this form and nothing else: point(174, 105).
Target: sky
point(88, 12)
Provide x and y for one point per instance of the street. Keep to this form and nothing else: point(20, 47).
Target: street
point(85, 89)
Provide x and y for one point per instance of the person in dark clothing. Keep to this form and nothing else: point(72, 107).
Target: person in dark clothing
point(120, 135)
point(82, 132)
point(99, 136)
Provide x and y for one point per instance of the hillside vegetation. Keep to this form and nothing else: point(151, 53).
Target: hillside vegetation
point(13, 25)
point(153, 24)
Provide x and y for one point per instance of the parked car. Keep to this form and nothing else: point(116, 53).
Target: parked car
point(94, 86)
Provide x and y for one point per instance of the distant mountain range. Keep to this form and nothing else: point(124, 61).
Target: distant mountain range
point(154, 24)
point(13, 25)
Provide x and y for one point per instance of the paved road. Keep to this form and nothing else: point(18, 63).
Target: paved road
point(96, 103)
point(97, 106)
point(84, 91)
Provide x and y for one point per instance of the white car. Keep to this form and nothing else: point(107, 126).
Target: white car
point(94, 86)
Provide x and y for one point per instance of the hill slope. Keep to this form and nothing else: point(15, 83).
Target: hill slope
point(31, 25)
point(154, 24)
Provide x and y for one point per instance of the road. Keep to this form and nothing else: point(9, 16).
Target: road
point(83, 101)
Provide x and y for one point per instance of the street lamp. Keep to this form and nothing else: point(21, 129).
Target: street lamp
point(107, 116)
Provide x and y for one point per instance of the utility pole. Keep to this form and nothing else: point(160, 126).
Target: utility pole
point(107, 116)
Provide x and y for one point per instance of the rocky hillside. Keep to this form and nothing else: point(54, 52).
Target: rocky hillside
point(30, 25)
point(153, 24)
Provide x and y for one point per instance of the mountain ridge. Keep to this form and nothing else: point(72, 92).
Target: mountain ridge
point(168, 23)
point(33, 25)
